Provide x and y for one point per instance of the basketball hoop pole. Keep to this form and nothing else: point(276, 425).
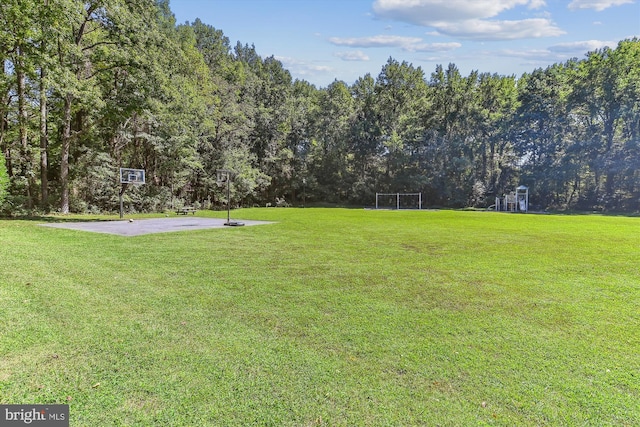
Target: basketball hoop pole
point(122, 190)
point(129, 176)
point(226, 175)
point(228, 202)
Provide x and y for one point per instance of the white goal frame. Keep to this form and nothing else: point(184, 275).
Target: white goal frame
point(397, 196)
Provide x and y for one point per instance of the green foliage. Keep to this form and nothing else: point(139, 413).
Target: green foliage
point(248, 181)
point(117, 83)
point(397, 318)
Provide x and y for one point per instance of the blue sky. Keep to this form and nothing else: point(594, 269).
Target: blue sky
point(323, 40)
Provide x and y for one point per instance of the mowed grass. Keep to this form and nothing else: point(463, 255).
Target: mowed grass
point(329, 317)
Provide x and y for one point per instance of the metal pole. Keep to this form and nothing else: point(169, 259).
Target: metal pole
point(122, 189)
point(398, 201)
point(228, 201)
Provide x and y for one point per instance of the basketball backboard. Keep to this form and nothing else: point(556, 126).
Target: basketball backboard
point(132, 176)
point(223, 176)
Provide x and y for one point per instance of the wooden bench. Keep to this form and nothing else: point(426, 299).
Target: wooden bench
point(186, 210)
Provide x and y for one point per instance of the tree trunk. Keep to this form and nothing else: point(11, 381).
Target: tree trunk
point(610, 175)
point(4, 103)
point(64, 155)
point(44, 145)
point(23, 119)
point(78, 66)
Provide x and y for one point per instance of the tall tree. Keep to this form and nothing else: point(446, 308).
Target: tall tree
point(48, 14)
point(453, 138)
point(302, 106)
point(604, 99)
point(401, 101)
point(4, 180)
point(98, 37)
point(20, 29)
point(541, 128)
point(365, 142)
point(496, 104)
point(327, 159)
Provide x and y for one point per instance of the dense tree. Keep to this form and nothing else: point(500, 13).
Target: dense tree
point(365, 142)
point(540, 130)
point(271, 122)
point(19, 22)
point(605, 103)
point(301, 109)
point(452, 135)
point(401, 98)
point(87, 87)
point(327, 159)
point(497, 102)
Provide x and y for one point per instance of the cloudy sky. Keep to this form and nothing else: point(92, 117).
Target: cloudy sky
point(323, 40)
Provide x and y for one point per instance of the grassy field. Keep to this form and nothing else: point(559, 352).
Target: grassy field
point(329, 317)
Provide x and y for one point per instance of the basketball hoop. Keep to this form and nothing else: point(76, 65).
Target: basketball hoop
point(132, 176)
point(223, 176)
point(129, 176)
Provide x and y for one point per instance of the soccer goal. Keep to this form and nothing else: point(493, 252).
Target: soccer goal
point(398, 201)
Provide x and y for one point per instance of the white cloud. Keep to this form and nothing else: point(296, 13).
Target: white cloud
point(426, 12)
point(531, 54)
point(434, 47)
point(409, 44)
point(556, 53)
point(580, 48)
point(598, 5)
point(500, 30)
point(469, 18)
point(537, 4)
point(375, 41)
point(352, 56)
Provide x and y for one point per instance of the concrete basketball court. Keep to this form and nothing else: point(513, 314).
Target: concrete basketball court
point(148, 226)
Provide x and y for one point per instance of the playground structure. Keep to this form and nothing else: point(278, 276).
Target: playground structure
point(517, 201)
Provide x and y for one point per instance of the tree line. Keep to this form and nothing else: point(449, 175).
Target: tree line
point(87, 87)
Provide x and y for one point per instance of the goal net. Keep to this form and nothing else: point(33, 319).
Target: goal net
point(398, 200)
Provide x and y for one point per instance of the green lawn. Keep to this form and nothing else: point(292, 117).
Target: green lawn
point(329, 317)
